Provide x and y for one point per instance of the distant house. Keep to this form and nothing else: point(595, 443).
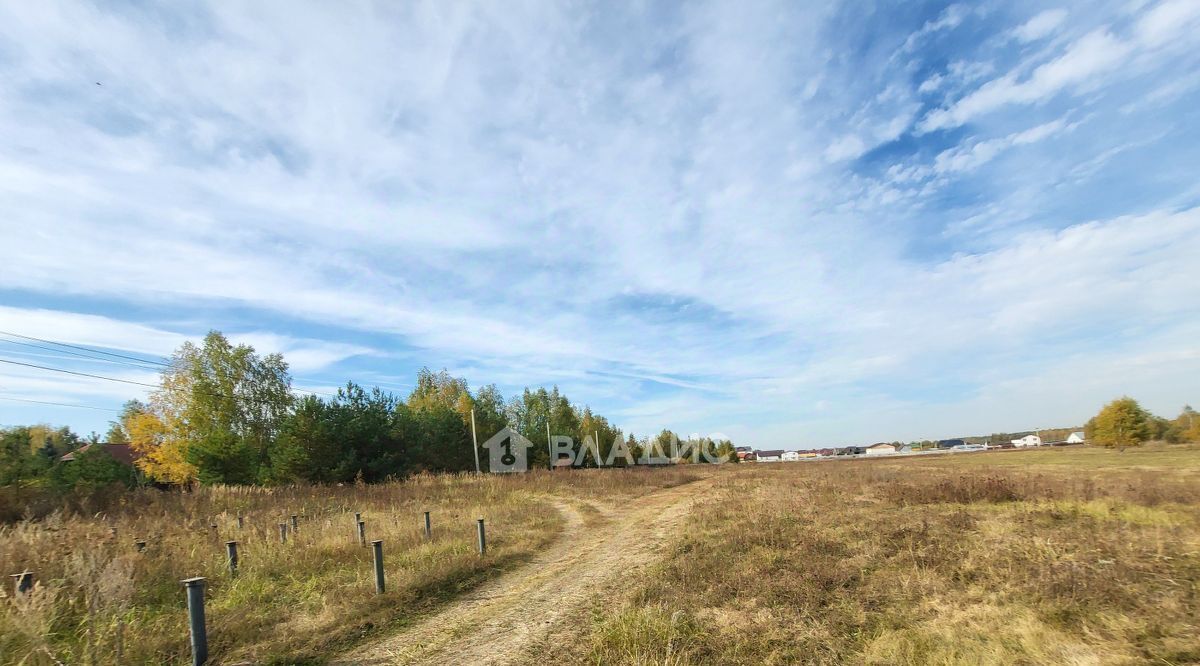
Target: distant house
point(949, 443)
point(1076, 438)
point(122, 453)
point(746, 455)
point(826, 452)
point(791, 455)
point(769, 456)
point(1027, 440)
point(852, 451)
point(882, 448)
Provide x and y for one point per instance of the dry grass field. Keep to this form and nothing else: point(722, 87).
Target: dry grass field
point(98, 600)
point(1053, 556)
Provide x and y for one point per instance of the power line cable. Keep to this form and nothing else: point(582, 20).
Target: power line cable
point(87, 349)
point(121, 356)
point(81, 374)
point(59, 404)
point(75, 353)
point(248, 399)
point(130, 381)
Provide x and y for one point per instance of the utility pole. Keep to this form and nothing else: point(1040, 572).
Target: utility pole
point(474, 441)
point(549, 448)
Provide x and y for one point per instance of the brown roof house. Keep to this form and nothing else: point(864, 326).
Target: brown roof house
point(122, 453)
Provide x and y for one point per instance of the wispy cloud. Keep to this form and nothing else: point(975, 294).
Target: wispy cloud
point(766, 220)
point(88, 329)
point(1040, 26)
point(1094, 54)
point(1098, 53)
point(950, 17)
point(971, 156)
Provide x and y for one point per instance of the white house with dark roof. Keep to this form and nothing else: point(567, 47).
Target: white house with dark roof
point(1027, 440)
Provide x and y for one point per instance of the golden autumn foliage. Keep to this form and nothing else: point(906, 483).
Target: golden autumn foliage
point(164, 453)
point(1122, 423)
point(218, 405)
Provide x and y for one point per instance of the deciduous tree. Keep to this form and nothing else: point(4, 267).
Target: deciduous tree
point(1187, 425)
point(163, 450)
point(218, 412)
point(1121, 423)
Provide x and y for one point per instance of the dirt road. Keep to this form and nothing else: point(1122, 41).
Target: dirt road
point(494, 623)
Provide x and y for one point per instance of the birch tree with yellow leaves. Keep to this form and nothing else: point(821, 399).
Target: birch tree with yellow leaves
point(215, 415)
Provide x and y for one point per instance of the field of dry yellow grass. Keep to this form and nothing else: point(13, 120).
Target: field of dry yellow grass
point(1054, 556)
point(99, 600)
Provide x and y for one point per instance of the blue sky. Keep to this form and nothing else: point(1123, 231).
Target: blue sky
point(797, 224)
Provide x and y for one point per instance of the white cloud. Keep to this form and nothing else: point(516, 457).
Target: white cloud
point(950, 18)
point(882, 119)
point(846, 148)
point(1168, 21)
point(963, 71)
point(1040, 26)
point(975, 155)
point(1093, 54)
point(931, 84)
point(1169, 27)
point(301, 354)
point(1163, 94)
point(658, 207)
point(138, 340)
point(89, 330)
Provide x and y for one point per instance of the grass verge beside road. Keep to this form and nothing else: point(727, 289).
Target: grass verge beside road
point(99, 600)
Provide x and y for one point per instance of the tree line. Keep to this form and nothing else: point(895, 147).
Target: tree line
point(1124, 422)
point(31, 453)
point(225, 414)
point(1120, 423)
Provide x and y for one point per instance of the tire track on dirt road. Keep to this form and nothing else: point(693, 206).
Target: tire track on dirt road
point(493, 624)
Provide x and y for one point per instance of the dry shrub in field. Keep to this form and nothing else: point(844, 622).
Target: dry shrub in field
point(26, 625)
point(17, 503)
point(646, 636)
point(959, 489)
point(32, 503)
point(908, 485)
point(103, 587)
